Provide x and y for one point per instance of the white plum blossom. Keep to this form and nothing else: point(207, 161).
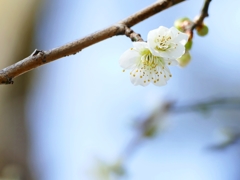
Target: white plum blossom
point(145, 66)
point(169, 43)
point(149, 61)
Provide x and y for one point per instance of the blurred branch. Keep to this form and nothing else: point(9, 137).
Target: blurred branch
point(231, 103)
point(233, 139)
point(149, 127)
point(39, 58)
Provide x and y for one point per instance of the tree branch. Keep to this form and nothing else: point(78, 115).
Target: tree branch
point(232, 103)
point(39, 58)
point(204, 12)
point(149, 126)
point(202, 16)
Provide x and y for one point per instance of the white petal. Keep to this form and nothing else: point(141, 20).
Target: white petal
point(171, 62)
point(152, 34)
point(140, 45)
point(145, 78)
point(161, 82)
point(137, 77)
point(151, 38)
point(145, 81)
point(178, 52)
point(164, 54)
point(179, 36)
point(128, 59)
point(167, 73)
point(182, 38)
point(174, 31)
point(162, 30)
point(157, 53)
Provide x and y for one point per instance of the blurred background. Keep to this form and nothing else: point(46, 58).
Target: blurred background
point(76, 118)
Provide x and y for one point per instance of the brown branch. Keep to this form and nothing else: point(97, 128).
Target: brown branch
point(204, 13)
point(132, 35)
point(39, 58)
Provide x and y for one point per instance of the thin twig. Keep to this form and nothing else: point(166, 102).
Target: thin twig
point(122, 28)
point(204, 13)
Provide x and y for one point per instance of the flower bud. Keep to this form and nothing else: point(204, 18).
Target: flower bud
point(117, 168)
point(179, 23)
point(202, 30)
point(185, 59)
point(151, 131)
point(188, 45)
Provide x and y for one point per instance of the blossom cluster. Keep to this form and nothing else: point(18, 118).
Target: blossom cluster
point(149, 60)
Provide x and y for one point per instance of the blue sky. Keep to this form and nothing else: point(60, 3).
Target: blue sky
point(81, 106)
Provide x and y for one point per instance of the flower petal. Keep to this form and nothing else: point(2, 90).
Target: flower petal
point(171, 62)
point(151, 41)
point(129, 58)
point(167, 73)
point(178, 52)
point(137, 77)
point(179, 36)
point(140, 45)
point(162, 30)
point(160, 82)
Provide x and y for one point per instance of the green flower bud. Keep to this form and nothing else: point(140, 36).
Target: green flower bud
point(179, 23)
point(185, 59)
point(202, 31)
point(117, 168)
point(188, 45)
point(151, 131)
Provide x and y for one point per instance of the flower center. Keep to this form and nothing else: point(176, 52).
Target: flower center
point(149, 61)
point(150, 68)
point(163, 43)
